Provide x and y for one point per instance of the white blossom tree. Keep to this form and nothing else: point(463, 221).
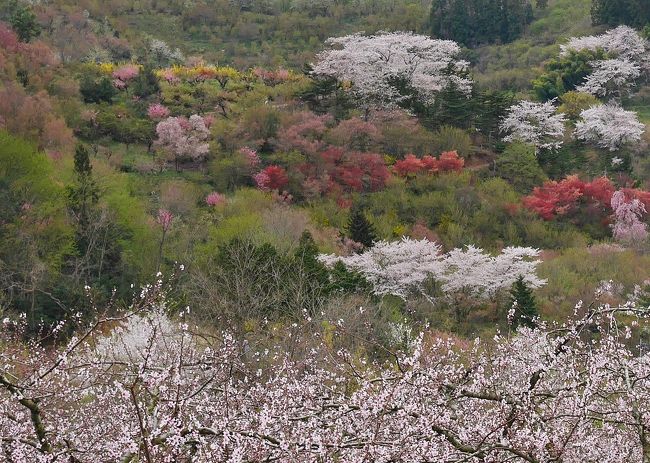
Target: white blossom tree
point(629, 57)
point(167, 393)
point(535, 123)
point(376, 65)
point(612, 77)
point(403, 267)
point(622, 42)
point(609, 126)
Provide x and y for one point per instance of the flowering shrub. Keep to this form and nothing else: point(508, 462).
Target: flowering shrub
point(215, 199)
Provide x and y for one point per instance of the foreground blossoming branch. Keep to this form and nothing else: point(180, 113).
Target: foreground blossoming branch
point(154, 390)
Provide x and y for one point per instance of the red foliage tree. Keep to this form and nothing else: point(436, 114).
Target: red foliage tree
point(272, 178)
point(408, 166)
point(560, 198)
point(449, 161)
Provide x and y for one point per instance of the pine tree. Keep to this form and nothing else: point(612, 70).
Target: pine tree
point(84, 194)
point(146, 84)
point(524, 303)
point(360, 229)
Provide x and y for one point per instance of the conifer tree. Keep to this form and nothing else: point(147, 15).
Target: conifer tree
point(524, 303)
point(360, 229)
point(146, 83)
point(84, 194)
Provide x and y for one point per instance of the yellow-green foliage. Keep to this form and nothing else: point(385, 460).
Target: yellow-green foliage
point(574, 274)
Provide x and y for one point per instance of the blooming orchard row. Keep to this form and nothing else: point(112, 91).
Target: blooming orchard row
point(155, 390)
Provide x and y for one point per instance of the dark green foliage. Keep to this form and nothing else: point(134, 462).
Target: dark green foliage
point(360, 229)
point(490, 106)
point(518, 165)
point(83, 196)
point(451, 107)
point(524, 304)
point(146, 83)
point(344, 281)
point(565, 73)
point(477, 22)
point(326, 95)
point(95, 90)
point(23, 21)
point(635, 13)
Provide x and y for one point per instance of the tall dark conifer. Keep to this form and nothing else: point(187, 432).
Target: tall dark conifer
point(360, 229)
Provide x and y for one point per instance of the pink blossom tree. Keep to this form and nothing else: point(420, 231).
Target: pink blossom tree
point(628, 227)
point(157, 111)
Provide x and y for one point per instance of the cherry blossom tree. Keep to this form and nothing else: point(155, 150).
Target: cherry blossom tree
point(612, 77)
point(124, 74)
point(153, 389)
point(628, 226)
point(183, 139)
point(609, 126)
point(402, 268)
point(535, 123)
point(622, 42)
point(373, 65)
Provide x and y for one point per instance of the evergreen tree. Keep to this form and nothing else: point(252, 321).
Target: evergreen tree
point(96, 91)
point(525, 305)
point(84, 195)
point(360, 229)
point(635, 13)
point(306, 255)
point(146, 83)
point(476, 22)
point(23, 21)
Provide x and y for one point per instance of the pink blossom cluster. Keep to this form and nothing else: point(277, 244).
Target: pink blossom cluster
point(628, 227)
point(157, 111)
point(251, 156)
point(124, 74)
point(165, 219)
point(215, 199)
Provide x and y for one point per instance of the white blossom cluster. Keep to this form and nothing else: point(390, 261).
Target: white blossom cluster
point(374, 65)
point(535, 123)
point(402, 267)
point(555, 393)
point(628, 56)
point(609, 126)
